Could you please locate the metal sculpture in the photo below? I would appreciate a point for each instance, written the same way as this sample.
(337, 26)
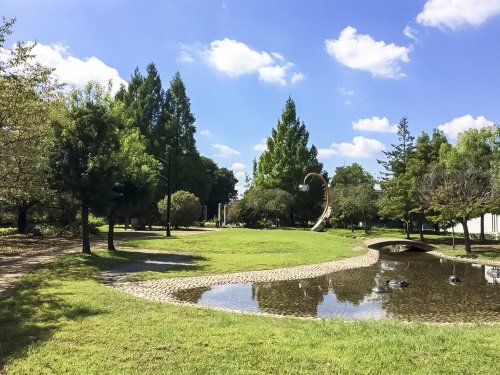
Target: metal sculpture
(320, 224)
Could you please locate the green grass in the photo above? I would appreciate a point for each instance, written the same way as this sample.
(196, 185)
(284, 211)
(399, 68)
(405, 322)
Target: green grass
(484, 252)
(61, 319)
(7, 231)
(231, 250)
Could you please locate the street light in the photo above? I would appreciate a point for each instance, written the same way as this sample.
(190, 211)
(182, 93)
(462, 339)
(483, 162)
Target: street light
(326, 212)
(169, 188)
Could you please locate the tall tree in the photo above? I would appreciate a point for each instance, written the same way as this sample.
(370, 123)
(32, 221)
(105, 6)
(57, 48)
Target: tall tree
(401, 152)
(27, 93)
(426, 154)
(288, 159)
(144, 98)
(462, 185)
(83, 142)
(135, 176)
(398, 194)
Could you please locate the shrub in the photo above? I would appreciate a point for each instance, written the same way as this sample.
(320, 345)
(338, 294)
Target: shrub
(186, 209)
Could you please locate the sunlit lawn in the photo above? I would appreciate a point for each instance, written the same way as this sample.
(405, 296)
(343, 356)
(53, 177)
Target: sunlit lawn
(62, 319)
(231, 250)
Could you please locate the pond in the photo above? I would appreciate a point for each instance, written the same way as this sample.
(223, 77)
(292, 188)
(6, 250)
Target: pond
(429, 295)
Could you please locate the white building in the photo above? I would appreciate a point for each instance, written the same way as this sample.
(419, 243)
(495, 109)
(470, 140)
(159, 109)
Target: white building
(491, 225)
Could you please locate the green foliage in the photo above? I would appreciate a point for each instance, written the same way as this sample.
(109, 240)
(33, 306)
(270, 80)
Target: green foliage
(401, 152)
(85, 137)
(462, 185)
(353, 195)
(167, 126)
(259, 206)
(27, 96)
(398, 194)
(287, 160)
(186, 209)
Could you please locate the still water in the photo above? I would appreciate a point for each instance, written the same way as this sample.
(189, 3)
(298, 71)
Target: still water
(348, 294)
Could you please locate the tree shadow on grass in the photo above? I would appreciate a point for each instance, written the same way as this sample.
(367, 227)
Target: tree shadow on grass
(483, 252)
(29, 315)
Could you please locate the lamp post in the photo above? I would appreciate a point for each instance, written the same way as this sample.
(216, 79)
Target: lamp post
(305, 187)
(169, 189)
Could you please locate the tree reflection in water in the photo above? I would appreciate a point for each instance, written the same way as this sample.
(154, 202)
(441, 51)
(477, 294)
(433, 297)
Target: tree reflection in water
(429, 296)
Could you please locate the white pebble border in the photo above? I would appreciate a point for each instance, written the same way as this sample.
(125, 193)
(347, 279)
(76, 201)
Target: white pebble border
(164, 290)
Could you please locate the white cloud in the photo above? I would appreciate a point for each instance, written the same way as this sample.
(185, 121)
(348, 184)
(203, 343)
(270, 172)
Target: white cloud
(261, 147)
(327, 153)
(297, 77)
(185, 57)
(374, 124)
(456, 126)
(235, 58)
(240, 176)
(362, 52)
(278, 56)
(274, 74)
(456, 13)
(360, 147)
(238, 167)
(205, 132)
(73, 70)
(224, 151)
(410, 32)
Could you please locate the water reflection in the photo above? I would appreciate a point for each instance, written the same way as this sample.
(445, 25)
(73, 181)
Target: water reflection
(348, 294)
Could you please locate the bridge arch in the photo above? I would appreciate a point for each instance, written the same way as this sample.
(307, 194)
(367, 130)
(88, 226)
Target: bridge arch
(379, 243)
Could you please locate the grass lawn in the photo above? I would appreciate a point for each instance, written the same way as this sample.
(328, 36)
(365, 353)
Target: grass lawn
(62, 319)
(231, 250)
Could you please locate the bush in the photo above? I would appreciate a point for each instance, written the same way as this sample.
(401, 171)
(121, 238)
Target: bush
(186, 209)
(234, 213)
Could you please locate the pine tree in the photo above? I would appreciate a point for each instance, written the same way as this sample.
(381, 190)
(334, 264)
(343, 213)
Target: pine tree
(398, 188)
(398, 157)
(288, 159)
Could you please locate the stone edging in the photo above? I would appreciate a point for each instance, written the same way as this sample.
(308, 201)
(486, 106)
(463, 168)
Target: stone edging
(465, 260)
(163, 290)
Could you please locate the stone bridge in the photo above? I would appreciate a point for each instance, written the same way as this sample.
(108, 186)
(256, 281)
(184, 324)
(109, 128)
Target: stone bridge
(379, 243)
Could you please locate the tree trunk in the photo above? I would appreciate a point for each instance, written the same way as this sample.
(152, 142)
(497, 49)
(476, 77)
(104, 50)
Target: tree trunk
(22, 218)
(111, 232)
(453, 236)
(85, 228)
(352, 227)
(407, 227)
(481, 233)
(421, 226)
(466, 236)
(436, 228)
(127, 220)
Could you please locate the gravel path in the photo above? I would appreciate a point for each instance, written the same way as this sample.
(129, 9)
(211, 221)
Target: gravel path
(164, 289)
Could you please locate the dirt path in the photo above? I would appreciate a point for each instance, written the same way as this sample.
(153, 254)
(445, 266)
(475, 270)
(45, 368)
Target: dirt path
(20, 255)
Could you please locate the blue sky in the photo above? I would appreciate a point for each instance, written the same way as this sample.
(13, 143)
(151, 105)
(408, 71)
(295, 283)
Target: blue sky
(354, 68)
